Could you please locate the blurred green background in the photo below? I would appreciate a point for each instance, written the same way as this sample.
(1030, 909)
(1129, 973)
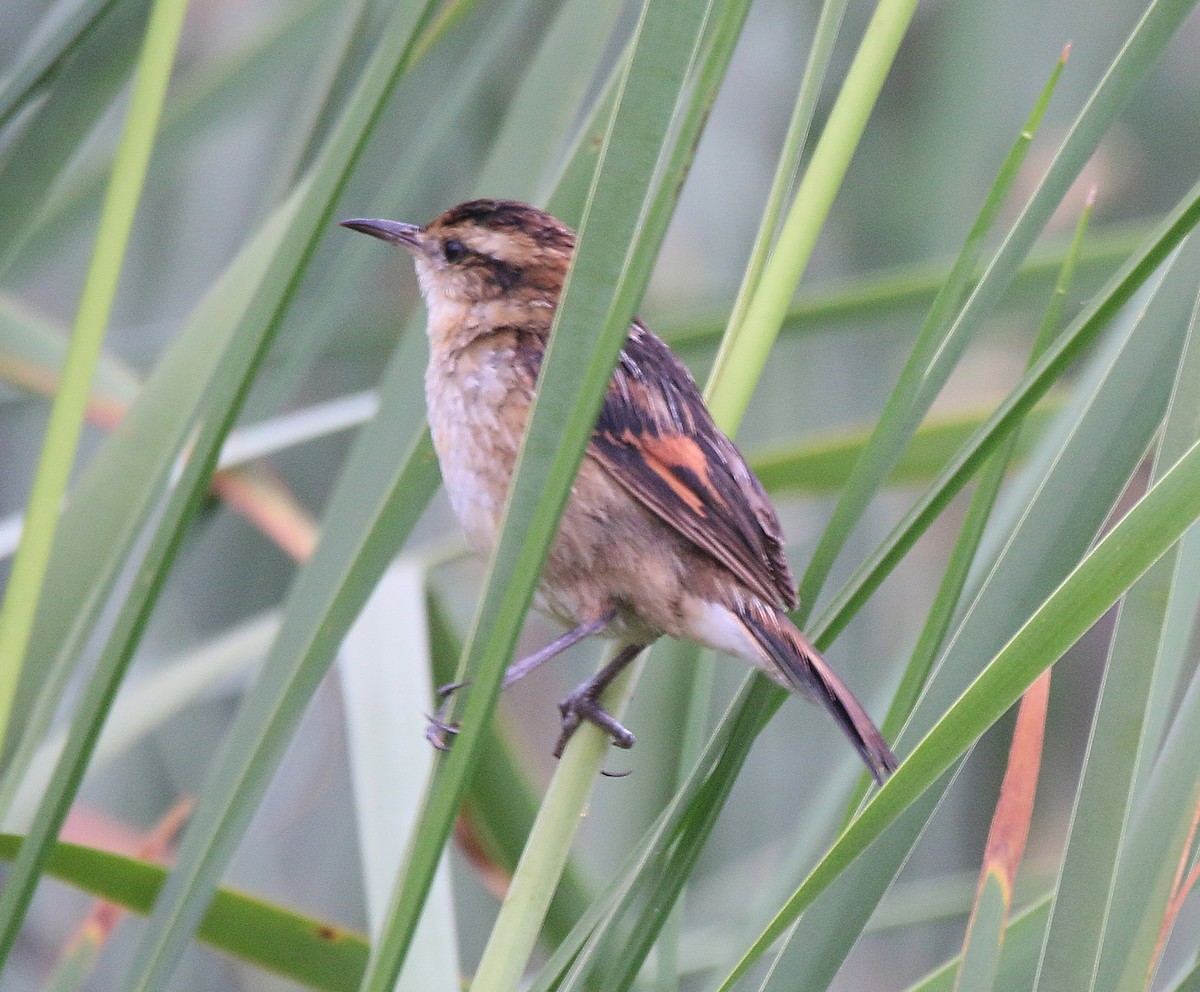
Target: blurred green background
(255, 83)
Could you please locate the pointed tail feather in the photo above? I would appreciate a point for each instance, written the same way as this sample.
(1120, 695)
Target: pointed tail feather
(806, 671)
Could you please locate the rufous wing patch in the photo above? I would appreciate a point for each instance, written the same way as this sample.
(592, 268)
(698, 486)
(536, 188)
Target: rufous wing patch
(658, 441)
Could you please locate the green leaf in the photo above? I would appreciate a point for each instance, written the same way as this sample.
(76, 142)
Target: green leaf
(32, 350)
(315, 953)
(63, 30)
(618, 239)
(1104, 802)
(84, 88)
(1064, 513)
(116, 494)
(1018, 955)
(821, 464)
(851, 302)
(939, 346)
(26, 583)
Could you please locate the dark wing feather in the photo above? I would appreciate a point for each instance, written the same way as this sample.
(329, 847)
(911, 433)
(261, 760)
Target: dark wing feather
(657, 439)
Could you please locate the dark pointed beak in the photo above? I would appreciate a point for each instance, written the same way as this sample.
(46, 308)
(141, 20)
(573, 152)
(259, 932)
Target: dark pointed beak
(392, 231)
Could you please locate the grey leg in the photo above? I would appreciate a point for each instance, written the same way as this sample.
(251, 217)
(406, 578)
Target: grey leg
(438, 727)
(584, 703)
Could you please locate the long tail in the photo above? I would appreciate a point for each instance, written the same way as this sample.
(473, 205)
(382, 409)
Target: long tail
(803, 669)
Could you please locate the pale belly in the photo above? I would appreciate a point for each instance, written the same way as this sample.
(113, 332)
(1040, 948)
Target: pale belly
(478, 408)
(477, 412)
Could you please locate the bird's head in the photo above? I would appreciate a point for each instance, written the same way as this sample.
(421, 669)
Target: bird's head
(483, 250)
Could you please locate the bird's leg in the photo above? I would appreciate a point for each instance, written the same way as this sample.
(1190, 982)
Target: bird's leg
(519, 669)
(584, 703)
(438, 727)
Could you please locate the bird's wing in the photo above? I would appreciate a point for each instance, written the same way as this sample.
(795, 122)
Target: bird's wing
(658, 440)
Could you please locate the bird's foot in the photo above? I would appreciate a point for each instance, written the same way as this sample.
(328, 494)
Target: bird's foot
(584, 704)
(440, 732)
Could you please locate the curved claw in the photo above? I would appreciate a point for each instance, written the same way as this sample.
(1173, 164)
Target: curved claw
(450, 688)
(437, 730)
(583, 705)
(439, 727)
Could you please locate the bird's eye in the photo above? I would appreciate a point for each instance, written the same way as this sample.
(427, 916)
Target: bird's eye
(454, 250)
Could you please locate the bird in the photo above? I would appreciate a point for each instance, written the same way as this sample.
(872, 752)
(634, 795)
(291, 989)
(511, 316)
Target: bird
(666, 530)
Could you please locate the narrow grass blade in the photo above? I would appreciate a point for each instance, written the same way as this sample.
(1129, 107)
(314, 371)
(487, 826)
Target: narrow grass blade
(32, 351)
(1075, 939)
(1118, 560)
(363, 530)
(948, 597)
(590, 326)
(226, 392)
(1132, 909)
(1055, 528)
(66, 415)
(1151, 35)
(27, 581)
(1018, 954)
(49, 137)
(148, 703)
(821, 463)
(313, 952)
(62, 31)
(934, 355)
(385, 732)
(1159, 839)
(815, 69)
(314, 329)
(1073, 341)
(79, 957)
(716, 44)
(886, 292)
(700, 798)
(1005, 845)
(117, 493)
(503, 801)
(746, 346)
(548, 100)
(195, 104)
(1158, 834)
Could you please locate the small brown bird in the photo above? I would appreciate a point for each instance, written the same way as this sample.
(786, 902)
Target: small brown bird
(666, 531)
